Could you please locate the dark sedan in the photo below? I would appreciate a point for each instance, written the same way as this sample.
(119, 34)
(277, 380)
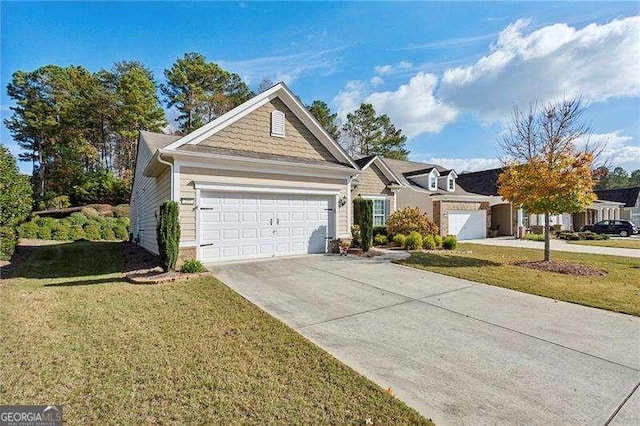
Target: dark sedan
(624, 228)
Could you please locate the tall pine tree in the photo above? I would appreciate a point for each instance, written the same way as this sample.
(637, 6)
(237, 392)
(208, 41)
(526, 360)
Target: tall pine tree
(366, 133)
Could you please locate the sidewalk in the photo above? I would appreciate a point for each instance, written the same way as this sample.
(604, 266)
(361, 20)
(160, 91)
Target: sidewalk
(556, 245)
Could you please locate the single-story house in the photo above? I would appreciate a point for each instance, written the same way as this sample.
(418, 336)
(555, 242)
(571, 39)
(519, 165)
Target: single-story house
(395, 184)
(486, 182)
(629, 197)
(262, 180)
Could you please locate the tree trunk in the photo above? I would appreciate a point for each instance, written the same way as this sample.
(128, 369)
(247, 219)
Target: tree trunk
(547, 238)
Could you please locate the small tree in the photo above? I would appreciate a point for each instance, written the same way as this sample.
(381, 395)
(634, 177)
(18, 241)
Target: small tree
(546, 173)
(410, 219)
(363, 217)
(168, 234)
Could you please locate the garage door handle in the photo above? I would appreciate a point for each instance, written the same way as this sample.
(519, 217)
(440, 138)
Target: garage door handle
(271, 221)
(278, 221)
(205, 245)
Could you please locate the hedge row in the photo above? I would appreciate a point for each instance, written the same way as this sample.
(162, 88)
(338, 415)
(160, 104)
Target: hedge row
(77, 226)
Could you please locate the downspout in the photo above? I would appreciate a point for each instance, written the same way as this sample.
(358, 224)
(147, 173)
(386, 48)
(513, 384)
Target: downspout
(171, 173)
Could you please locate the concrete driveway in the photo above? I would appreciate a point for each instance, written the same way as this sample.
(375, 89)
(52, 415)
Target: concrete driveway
(557, 245)
(458, 351)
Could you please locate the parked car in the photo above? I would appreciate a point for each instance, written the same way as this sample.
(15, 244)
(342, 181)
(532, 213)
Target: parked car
(624, 228)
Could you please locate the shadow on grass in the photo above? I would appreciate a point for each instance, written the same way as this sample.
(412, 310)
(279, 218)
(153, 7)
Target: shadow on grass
(69, 260)
(87, 282)
(447, 261)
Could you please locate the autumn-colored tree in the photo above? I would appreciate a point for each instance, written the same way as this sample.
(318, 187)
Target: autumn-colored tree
(546, 172)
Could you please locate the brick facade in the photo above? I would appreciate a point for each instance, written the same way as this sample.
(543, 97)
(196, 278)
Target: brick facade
(440, 209)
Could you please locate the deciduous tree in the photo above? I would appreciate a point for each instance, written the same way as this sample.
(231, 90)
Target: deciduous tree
(545, 172)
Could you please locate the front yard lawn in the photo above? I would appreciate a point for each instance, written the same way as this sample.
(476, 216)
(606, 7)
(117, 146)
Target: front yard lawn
(73, 333)
(632, 243)
(618, 291)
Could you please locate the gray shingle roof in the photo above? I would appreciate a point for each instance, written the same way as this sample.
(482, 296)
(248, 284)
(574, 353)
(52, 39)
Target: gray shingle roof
(157, 141)
(404, 169)
(628, 196)
(484, 182)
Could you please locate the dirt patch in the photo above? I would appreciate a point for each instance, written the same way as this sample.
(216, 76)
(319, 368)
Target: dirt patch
(562, 268)
(143, 267)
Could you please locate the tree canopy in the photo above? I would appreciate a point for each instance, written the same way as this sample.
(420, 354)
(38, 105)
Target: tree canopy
(321, 111)
(366, 133)
(15, 192)
(617, 178)
(201, 91)
(545, 171)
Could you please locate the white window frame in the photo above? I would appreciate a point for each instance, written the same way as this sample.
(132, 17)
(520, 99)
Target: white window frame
(451, 184)
(278, 118)
(433, 182)
(384, 207)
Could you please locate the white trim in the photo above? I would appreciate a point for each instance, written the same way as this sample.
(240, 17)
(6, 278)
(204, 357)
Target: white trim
(349, 202)
(335, 201)
(383, 198)
(424, 174)
(264, 189)
(198, 222)
(281, 91)
(461, 198)
(176, 180)
(259, 165)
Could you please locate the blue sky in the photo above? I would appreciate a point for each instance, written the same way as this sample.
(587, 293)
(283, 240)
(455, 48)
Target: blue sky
(447, 73)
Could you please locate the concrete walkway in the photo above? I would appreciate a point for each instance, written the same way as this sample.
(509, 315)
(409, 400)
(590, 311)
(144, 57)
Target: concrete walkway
(556, 245)
(458, 351)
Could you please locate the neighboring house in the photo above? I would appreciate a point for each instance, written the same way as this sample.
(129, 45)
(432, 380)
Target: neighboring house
(630, 199)
(264, 179)
(395, 184)
(486, 182)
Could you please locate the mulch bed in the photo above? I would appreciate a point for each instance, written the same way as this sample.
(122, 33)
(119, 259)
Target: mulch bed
(142, 267)
(562, 268)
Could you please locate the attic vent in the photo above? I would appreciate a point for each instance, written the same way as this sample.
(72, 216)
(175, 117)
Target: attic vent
(277, 124)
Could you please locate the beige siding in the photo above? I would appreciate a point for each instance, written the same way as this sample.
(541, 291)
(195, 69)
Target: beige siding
(372, 182)
(409, 198)
(253, 133)
(147, 195)
(190, 175)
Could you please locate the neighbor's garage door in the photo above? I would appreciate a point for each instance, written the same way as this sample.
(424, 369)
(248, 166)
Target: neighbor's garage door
(468, 224)
(246, 226)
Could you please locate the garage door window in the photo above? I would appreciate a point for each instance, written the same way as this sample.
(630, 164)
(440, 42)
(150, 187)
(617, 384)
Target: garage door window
(379, 217)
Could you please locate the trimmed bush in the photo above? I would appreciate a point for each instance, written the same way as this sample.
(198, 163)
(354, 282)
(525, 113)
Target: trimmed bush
(355, 236)
(409, 219)
(76, 232)
(77, 218)
(123, 221)
(380, 240)
(28, 230)
(121, 211)
(90, 213)
(450, 242)
(438, 240)
(380, 230)
(58, 202)
(92, 231)
(59, 232)
(534, 237)
(428, 242)
(44, 232)
(106, 232)
(7, 243)
(192, 266)
(414, 241)
(363, 216)
(120, 232)
(400, 240)
(168, 235)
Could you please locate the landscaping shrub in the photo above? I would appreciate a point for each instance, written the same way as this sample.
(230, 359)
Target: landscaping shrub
(16, 195)
(355, 236)
(123, 221)
(428, 242)
(78, 218)
(76, 232)
(414, 241)
(380, 240)
(192, 266)
(409, 219)
(534, 237)
(438, 240)
(106, 232)
(363, 215)
(28, 230)
(90, 213)
(121, 232)
(168, 235)
(571, 236)
(58, 202)
(121, 211)
(450, 242)
(59, 232)
(44, 232)
(380, 230)
(92, 231)
(588, 235)
(400, 240)
(7, 242)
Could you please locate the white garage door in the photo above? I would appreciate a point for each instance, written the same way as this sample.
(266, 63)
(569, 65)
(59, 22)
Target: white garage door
(246, 226)
(468, 224)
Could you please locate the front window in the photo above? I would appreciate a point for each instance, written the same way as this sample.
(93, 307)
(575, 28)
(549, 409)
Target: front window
(379, 218)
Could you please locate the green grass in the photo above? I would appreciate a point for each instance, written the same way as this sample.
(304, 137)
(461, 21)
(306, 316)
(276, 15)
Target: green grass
(627, 243)
(618, 291)
(72, 333)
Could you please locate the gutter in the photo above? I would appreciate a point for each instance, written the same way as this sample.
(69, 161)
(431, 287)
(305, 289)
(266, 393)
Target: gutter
(160, 160)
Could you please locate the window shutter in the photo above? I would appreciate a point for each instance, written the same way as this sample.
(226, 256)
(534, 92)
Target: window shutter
(277, 124)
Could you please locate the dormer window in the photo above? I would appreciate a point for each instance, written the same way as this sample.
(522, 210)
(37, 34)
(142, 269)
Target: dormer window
(277, 124)
(451, 184)
(433, 182)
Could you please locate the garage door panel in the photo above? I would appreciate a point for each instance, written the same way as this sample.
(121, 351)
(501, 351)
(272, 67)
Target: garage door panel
(467, 224)
(237, 226)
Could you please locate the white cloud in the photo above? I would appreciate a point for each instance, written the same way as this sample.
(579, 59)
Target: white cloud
(383, 69)
(376, 81)
(349, 98)
(405, 65)
(598, 62)
(413, 107)
(617, 150)
(466, 164)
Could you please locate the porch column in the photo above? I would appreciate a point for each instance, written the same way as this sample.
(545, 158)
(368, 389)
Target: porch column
(598, 215)
(616, 213)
